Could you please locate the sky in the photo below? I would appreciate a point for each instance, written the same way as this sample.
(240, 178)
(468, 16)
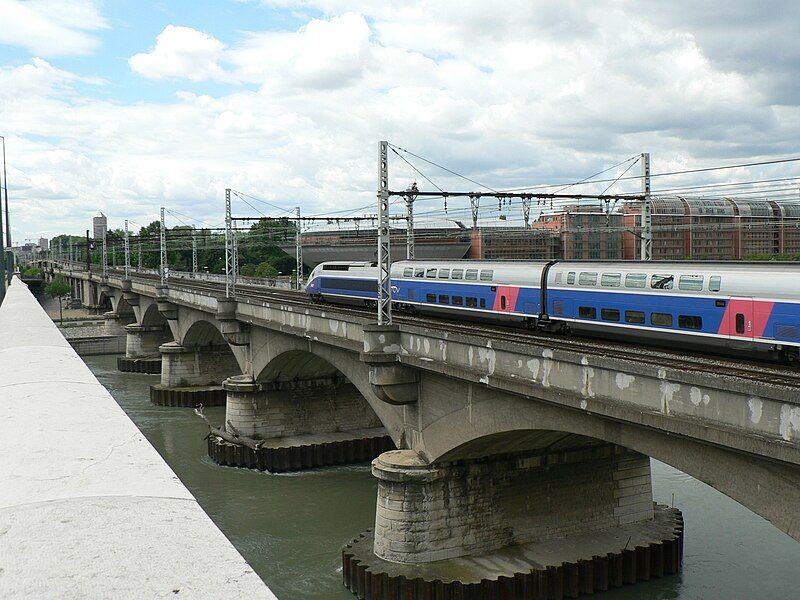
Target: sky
(124, 107)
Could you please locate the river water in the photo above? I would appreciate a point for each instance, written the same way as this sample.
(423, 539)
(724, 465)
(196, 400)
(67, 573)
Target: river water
(291, 528)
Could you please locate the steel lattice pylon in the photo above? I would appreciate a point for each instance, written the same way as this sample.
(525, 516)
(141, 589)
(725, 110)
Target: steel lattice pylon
(230, 249)
(384, 244)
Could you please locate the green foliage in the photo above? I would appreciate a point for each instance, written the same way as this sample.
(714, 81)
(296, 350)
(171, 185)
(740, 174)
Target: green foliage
(247, 270)
(265, 269)
(57, 288)
(32, 272)
(770, 257)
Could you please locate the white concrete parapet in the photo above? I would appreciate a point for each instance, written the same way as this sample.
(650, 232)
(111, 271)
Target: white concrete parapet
(88, 508)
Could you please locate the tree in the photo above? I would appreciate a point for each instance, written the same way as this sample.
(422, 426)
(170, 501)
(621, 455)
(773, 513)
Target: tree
(58, 288)
(265, 269)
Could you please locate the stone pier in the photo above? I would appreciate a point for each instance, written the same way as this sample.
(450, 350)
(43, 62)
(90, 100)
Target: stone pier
(300, 424)
(115, 323)
(560, 519)
(193, 375)
(142, 348)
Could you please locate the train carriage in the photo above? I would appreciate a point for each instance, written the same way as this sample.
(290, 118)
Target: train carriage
(743, 307)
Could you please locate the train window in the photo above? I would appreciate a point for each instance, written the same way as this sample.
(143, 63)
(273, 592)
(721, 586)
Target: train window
(444, 273)
(739, 323)
(609, 314)
(611, 279)
(558, 277)
(690, 322)
(587, 312)
(430, 273)
(472, 302)
(662, 282)
(457, 274)
(419, 272)
(661, 319)
(458, 300)
(409, 272)
(356, 285)
(483, 302)
(335, 267)
(693, 283)
(635, 280)
(471, 275)
(634, 316)
(486, 275)
(502, 302)
(587, 278)
(571, 278)
(714, 283)
(444, 299)
(430, 297)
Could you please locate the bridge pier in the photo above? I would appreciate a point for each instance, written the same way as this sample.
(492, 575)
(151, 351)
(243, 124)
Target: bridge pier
(573, 520)
(193, 375)
(115, 323)
(299, 424)
(142, 349)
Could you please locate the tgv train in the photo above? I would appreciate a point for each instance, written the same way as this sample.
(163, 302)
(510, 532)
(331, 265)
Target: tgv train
(742, 307)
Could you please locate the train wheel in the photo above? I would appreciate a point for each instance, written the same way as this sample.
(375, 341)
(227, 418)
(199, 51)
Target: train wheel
(793, 356)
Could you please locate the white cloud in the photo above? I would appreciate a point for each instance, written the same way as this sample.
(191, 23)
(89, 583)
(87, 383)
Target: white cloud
(527, 94)
(181, 52)
(51, 28)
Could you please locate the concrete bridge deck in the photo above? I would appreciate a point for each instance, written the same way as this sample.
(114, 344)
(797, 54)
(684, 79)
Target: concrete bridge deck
(88, 508)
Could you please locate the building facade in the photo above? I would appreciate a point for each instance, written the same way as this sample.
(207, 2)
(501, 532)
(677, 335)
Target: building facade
(99, 226)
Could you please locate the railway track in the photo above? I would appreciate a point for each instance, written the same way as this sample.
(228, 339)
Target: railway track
(760, 371)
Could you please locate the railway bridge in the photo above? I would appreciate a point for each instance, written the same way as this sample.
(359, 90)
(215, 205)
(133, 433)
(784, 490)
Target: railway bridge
(503, 437)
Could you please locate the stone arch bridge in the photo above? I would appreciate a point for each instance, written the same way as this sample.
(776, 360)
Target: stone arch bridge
(503, 438)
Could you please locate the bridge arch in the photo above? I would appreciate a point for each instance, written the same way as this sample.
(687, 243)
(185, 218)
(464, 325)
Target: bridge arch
(281, 360)
(152, 318)
(483, 422)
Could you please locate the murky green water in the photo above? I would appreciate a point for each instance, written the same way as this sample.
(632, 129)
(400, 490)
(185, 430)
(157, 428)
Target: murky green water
(290, 528)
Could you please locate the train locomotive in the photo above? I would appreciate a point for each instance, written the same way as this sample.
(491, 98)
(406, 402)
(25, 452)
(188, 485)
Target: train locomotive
(740, 308)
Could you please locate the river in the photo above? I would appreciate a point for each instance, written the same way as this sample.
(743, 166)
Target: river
(291, 528)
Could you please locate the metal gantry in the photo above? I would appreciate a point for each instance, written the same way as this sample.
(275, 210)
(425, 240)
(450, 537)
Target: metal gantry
(298, 247)
(474, 205)
(384, 239)
(647, 210)
(410, 197)
(230, 249)
(163, 243)
(194, 252)
(526, 211)
(127, 252)
(105, 256)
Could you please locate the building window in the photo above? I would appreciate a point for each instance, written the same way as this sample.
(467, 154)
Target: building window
(430, 297)
(458, 300)
(690, 322)
(609, 314)
(472, 302)
(571, 278)
(662, 282)
(714, 283)
(661, 319)
(472, 275)
(587, 278)
(635, 317)
(692, 283)
(444, 273)
(486, 275)
(587, 312)
(444, 299)
(635, 280)
(457, 274)
(611, 279)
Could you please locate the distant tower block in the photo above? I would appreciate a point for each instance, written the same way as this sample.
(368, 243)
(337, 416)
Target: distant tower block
(99, 226)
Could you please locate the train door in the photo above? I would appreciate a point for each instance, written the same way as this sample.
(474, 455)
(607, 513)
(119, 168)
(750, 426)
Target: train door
(740, 318)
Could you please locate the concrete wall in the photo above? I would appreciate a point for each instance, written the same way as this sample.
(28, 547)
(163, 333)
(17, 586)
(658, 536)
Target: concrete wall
(88, 508)
(428, 513)
(300, 407)
(197, 366)
(92, 346)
